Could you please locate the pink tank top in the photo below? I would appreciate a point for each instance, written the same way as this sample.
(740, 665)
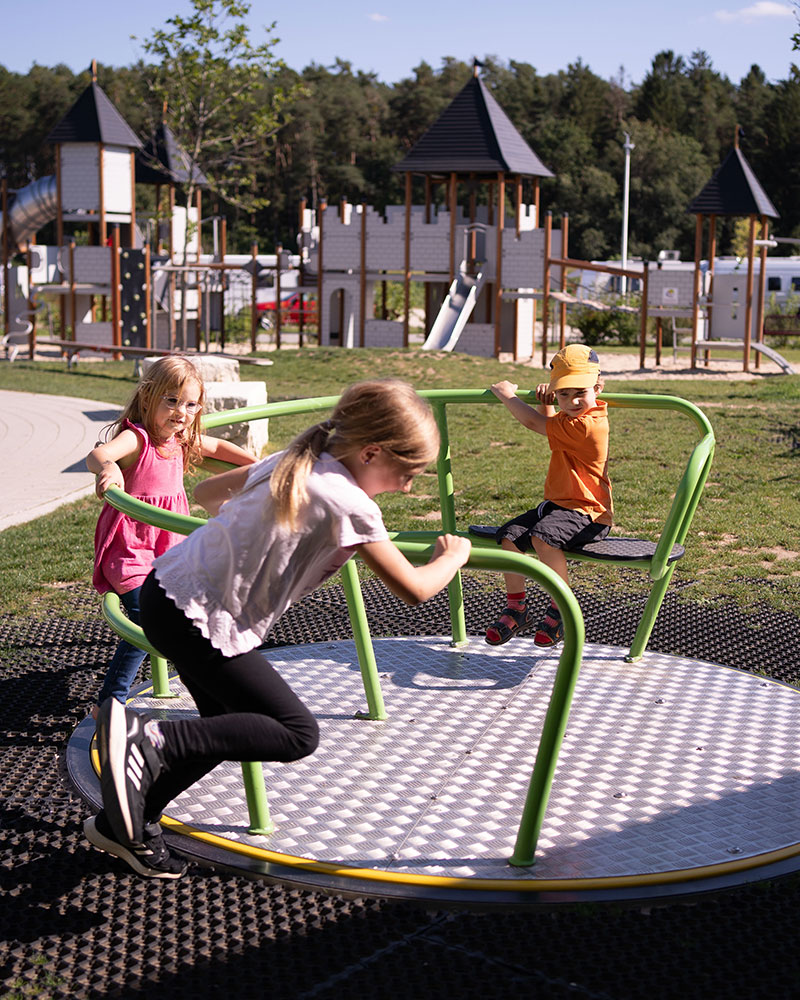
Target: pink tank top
(124, 548)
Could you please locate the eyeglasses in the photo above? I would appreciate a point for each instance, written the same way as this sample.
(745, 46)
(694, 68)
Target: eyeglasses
(174, 403)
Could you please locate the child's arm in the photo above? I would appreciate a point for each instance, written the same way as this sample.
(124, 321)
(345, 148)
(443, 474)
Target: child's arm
(108, 460)
(526, 415)
(225, 451)
(414, 584)
(213, 492)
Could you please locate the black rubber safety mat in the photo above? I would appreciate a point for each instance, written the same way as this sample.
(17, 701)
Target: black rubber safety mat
(75, 923)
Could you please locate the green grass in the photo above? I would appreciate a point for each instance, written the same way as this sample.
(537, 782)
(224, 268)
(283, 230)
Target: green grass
(746, 528)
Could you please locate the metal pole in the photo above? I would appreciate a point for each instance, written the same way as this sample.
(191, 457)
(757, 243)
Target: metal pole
(625, 200)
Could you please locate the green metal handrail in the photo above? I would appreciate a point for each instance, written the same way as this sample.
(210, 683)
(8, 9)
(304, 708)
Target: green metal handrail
(555, 721)
(417, 547)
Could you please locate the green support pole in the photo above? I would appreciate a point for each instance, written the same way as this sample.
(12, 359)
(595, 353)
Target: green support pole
(555, 724)
(455, 590)
(256, 794)
(363, 640)
(160, 677)
(132, 633)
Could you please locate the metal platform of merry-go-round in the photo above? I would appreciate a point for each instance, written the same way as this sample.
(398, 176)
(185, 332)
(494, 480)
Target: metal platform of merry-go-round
(676, 775)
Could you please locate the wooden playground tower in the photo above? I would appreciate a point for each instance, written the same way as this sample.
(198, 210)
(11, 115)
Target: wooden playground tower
(471, 161)
(734, 190)
(104, 286)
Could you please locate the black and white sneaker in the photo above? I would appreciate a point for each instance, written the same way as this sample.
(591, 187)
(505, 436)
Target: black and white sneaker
(152, 858)
(129, 764)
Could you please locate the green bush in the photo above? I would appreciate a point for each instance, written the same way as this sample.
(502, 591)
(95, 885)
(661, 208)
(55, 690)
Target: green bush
(601, 326)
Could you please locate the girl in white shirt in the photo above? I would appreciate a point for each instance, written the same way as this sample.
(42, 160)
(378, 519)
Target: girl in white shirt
(281, 527)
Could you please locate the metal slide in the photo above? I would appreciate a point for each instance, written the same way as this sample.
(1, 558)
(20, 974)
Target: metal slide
(455, 311)
(738, 345)
(32, 207)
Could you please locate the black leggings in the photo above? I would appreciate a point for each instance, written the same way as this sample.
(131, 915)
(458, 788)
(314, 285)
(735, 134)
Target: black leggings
(248, 712)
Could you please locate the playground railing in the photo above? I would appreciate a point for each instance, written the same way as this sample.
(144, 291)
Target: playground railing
(418, 546)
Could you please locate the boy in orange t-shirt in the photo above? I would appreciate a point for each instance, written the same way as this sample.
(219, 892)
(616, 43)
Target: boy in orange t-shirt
(577, 493)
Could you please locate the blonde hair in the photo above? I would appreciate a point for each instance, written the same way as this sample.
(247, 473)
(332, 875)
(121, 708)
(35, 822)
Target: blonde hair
(165, 377)
(383, 412)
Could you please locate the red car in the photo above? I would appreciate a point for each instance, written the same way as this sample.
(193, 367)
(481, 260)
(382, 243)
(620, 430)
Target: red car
(290, 310)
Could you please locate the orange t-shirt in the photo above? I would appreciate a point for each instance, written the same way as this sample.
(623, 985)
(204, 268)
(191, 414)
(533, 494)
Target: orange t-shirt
(578, 474)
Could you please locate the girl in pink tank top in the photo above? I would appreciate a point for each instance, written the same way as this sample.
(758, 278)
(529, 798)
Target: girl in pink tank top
(155, 440)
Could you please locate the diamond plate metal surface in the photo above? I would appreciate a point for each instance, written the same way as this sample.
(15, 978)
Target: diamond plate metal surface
(667, 764)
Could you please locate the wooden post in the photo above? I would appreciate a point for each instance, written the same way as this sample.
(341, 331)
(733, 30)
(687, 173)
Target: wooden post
(6, 283)
(102, 187)
(60, 235)
(548, 232)
(659, 338)
(643, 323)
(762, 286)
(132, 240)
(199, 322)
(223, 244)
(159, 248)
(498, 288)
(452, 195)
(698, 249)
(320, 222)
(712, 253)
(407, 262)
(536, 224)
(31, 302)
(488, 293)
(116, 297)
(748, 305)
(171, 274)
(253, 287)
(72, 304)
(562, 306)
(362, 288)
(148, 334)
(171, 206)
(278, 302)
(302, 277)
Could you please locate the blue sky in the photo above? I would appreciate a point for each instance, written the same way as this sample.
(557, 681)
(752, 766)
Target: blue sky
(390, 39)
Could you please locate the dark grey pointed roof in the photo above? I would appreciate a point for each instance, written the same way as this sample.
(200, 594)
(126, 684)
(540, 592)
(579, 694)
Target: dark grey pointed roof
(473, 135)
(163, 161)
(733, 190)
(93, 118)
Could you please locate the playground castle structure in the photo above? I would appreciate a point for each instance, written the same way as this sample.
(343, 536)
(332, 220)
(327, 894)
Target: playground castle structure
(495, 273)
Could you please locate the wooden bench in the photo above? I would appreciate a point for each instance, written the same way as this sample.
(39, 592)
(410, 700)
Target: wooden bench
(73, 348)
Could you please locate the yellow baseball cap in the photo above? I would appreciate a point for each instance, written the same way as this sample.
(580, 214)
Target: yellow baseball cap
(576, 366)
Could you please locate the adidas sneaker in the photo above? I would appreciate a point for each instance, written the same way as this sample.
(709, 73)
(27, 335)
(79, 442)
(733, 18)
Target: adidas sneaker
(152, 858)
(129, 764)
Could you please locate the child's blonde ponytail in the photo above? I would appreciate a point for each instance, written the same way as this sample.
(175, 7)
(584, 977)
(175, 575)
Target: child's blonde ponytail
(384, 412)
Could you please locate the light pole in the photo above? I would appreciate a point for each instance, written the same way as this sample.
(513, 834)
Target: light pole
(625, 197)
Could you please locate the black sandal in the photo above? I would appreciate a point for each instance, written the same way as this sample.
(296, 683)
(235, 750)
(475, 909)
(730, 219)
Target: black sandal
(550, 629)
(522, 623)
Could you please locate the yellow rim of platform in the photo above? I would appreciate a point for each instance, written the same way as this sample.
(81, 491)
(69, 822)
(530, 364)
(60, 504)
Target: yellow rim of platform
(519, 884)
(489, 884)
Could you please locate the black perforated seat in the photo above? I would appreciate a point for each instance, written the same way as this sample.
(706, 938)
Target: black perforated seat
(610, 549)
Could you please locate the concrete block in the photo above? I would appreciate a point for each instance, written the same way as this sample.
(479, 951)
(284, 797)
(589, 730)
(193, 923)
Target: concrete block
(252, 435)
(210, 368)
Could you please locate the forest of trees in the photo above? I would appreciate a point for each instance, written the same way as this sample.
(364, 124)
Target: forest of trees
(341, 131)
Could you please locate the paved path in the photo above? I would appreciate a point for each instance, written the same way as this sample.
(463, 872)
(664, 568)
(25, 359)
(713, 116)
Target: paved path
(44, 441)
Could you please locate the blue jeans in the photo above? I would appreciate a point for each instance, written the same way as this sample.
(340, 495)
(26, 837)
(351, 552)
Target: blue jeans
(126, 660)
